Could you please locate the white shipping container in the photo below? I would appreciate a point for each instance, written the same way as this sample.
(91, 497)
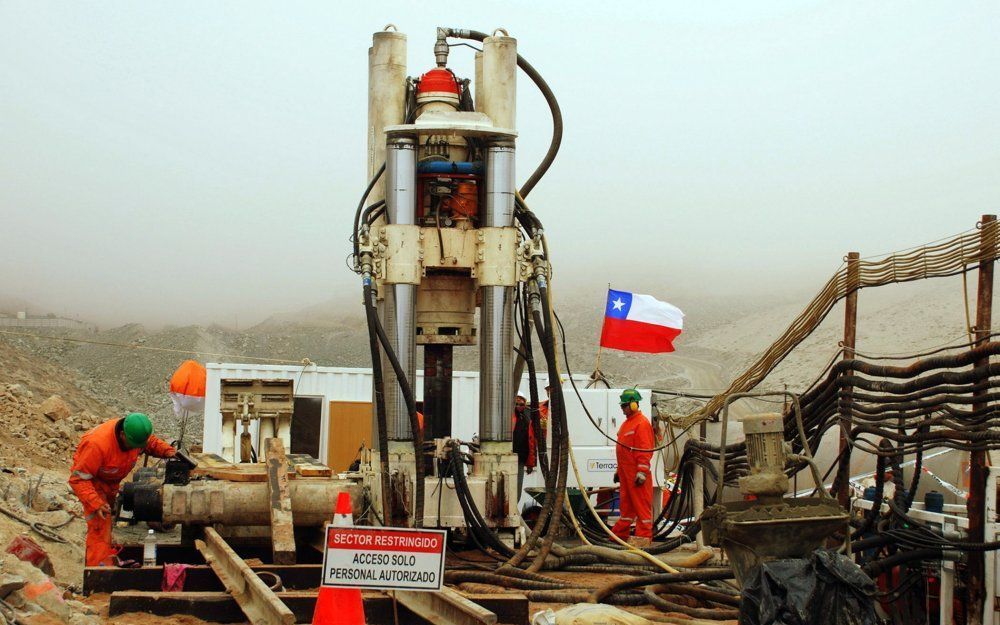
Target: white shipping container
(595, 455)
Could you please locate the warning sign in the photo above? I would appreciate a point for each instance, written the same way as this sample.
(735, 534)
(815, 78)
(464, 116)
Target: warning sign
(385, 559)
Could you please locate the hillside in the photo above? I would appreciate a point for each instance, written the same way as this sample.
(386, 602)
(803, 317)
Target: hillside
(722, 336)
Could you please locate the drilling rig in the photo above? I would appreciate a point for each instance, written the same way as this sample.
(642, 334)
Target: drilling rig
(436, 239)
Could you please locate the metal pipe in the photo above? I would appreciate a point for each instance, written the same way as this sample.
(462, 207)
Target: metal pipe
(386, 98)
(400, 299)
(496, 320)
(499, 97)
(205, 502)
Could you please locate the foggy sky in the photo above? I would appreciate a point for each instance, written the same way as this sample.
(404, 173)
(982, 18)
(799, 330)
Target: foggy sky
(192, 162)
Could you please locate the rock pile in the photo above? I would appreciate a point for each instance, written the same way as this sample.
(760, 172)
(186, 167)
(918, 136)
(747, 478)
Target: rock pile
(46, 432)
(25, 591)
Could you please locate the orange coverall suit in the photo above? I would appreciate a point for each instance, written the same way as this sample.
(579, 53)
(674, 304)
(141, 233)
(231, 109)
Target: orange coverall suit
(532, 453)
(99, 465)
(636, 502)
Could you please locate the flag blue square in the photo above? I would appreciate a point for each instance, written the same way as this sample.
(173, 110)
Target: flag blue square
(618, 304)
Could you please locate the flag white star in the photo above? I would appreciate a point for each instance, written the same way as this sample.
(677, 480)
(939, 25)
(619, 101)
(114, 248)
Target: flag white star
(618, 304)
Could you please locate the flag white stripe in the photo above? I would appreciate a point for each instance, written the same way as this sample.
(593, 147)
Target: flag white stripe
(648, 309)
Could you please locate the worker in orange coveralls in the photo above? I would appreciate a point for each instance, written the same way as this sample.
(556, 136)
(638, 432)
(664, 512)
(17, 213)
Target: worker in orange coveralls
(636, 496)
(104, 457)
(523, 436)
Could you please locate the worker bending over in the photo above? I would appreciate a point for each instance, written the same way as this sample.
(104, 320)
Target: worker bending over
(104, 457)
(636, 498)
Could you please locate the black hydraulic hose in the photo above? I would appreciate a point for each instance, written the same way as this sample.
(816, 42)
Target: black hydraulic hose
(411, 407)
(361, 207)
(550, 99)
(373, 212)
(940, 541)
(529, 359)
(476, 523)
(899, 485)
(558, 408)
(378, 386)
(872, 542)
(580, 596)
(504, 581)
(695, 575)
(918, 468)
(877, 567)
(557, 468)
(699, 592)
(715, 614)
(872, 514)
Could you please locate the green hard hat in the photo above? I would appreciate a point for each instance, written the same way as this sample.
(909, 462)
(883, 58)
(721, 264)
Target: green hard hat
(630, 395)
(137, 428)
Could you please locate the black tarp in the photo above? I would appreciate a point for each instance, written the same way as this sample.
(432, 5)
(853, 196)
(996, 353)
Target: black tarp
(824, 589)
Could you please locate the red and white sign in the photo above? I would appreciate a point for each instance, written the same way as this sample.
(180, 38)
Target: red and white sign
(385, 559)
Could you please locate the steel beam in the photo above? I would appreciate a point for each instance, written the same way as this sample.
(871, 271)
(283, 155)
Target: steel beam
(280, 500)
(260, 605)
(445, 607)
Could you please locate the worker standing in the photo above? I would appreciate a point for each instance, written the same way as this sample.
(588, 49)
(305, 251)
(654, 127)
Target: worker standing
(636, 494)
(104, 457)
(524, 440)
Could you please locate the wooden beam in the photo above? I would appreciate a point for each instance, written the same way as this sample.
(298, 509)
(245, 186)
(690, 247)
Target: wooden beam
(198, 578)
(220, 607)
(258, 602)
(976, 503)
(445, 607)
(850, 342)
(282, 528)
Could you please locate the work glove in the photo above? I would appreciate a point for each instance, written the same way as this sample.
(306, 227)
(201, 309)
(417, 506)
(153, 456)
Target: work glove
(615, 478)
(640, 479)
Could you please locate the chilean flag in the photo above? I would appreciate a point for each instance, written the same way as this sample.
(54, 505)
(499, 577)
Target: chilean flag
(639, 323)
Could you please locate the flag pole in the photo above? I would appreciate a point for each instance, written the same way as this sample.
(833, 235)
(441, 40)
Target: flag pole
(597, 374)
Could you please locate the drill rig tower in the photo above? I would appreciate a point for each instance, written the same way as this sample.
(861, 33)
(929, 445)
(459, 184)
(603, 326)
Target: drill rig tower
(436, 239)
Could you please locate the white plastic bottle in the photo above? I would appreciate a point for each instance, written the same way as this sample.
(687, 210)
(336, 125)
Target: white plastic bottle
(149, 550)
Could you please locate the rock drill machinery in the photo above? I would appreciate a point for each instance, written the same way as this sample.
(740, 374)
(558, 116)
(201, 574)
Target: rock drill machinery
(436, 239)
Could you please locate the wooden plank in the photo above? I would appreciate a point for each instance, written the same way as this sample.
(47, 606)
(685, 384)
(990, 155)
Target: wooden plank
(307, 466)
(445, 607)
(220, 607)
(199, 578)
(282, 528)
(257, 601)
(234, 473)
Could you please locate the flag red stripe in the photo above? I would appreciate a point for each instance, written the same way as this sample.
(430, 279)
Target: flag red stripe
(637, 336)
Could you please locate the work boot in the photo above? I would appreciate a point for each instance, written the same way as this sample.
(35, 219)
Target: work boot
(637, 541)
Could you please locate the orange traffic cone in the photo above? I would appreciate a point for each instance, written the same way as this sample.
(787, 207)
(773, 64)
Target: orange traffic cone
(340, 606)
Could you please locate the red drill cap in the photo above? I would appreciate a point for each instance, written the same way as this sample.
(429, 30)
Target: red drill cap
(343, 503)
(438, 80)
